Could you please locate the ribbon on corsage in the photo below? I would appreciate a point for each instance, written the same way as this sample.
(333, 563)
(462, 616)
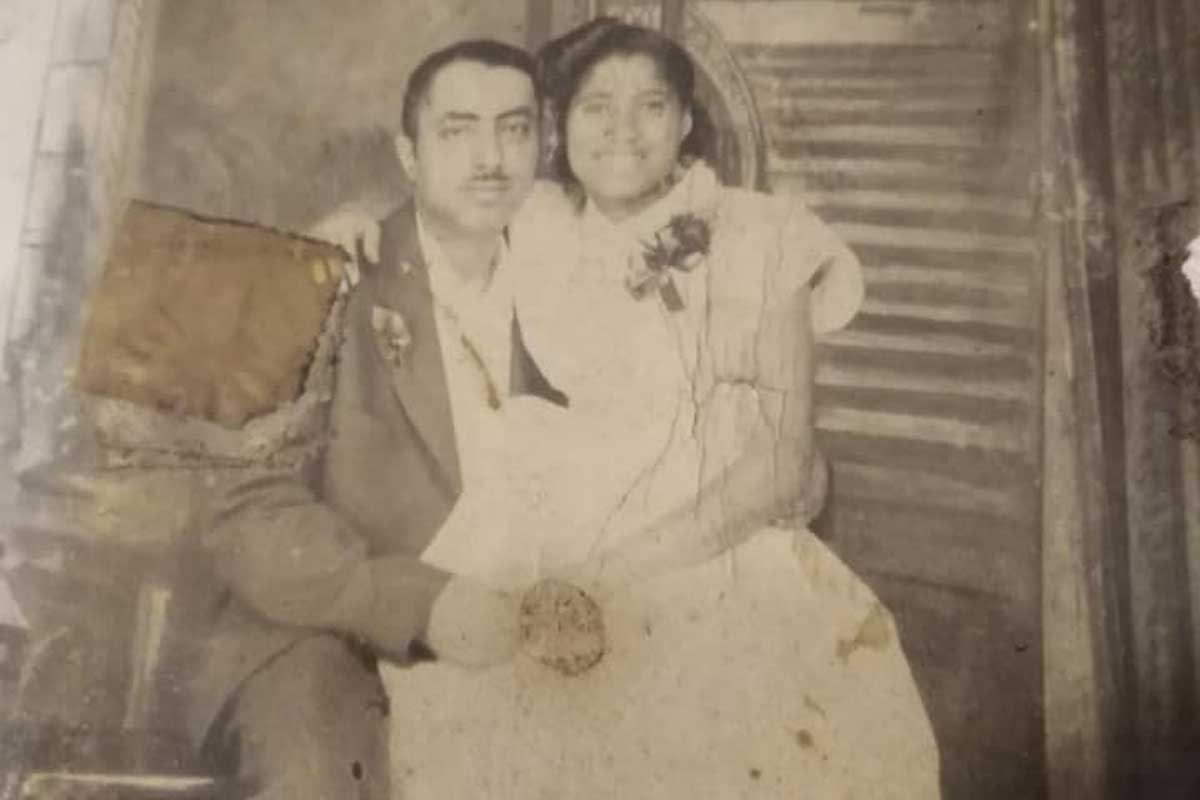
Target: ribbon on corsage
(679, 246)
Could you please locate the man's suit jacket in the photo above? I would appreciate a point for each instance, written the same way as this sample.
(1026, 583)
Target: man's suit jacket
(337, 549)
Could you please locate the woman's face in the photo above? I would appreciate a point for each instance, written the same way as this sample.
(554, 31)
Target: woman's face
(624, 128)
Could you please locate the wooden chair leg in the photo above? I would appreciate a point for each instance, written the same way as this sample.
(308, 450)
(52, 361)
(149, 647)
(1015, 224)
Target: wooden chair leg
(150, 626)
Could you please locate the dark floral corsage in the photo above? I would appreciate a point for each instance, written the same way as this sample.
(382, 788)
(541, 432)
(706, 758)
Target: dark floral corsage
(681, 245)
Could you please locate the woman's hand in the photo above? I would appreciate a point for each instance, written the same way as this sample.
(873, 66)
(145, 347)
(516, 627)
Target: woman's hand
(356, 231)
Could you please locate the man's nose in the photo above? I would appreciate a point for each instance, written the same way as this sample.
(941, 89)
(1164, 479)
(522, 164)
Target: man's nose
(486, 152)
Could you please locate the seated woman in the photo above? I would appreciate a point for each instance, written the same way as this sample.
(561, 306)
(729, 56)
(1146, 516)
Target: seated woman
(741, 657)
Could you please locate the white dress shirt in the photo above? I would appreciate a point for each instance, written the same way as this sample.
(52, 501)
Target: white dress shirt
(474, 325)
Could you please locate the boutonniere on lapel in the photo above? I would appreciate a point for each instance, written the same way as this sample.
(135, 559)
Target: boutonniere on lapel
(392, 335)
(681, 245)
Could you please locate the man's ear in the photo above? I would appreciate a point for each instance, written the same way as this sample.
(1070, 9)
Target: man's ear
(406, 151)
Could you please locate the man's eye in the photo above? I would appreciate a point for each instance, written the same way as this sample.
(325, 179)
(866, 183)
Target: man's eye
(519, 130)
(452, 133)
(594, 109)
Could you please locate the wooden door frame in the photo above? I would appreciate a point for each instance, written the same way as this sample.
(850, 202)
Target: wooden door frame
(1120, 153)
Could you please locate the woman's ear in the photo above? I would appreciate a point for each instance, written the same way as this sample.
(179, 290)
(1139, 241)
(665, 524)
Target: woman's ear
(686, 128)
(406, 151)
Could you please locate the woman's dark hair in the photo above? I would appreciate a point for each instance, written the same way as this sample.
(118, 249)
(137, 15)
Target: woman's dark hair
(565, 63)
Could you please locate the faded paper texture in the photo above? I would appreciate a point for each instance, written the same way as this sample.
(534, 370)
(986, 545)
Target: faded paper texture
(987, 586)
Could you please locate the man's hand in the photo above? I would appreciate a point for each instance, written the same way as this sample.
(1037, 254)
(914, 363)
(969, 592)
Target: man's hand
(474, 625)
(356, 231)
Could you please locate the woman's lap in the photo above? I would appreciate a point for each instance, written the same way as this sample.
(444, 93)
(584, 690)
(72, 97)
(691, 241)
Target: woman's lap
(766, 671)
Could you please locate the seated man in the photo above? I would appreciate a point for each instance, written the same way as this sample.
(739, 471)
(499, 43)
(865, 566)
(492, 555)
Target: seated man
(315, 572)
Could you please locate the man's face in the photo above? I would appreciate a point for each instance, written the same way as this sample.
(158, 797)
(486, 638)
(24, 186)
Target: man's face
(476, 151)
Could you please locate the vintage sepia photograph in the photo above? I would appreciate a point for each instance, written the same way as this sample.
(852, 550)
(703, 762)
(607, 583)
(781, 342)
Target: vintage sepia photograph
(527, 399)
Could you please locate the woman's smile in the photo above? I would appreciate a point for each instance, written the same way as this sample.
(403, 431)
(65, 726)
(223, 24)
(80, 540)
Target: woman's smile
(623, 133)
(624, 160)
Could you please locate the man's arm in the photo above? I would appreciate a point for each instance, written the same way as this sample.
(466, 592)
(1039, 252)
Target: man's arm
(296, 561)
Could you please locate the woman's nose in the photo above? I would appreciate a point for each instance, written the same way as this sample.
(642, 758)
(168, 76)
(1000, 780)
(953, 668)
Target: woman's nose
(622, 125)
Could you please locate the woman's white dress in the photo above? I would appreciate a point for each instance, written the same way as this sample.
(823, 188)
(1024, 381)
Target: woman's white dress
(769, 670)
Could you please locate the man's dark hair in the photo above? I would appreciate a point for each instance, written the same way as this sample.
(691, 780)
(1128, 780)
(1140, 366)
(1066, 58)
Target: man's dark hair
(488, 52)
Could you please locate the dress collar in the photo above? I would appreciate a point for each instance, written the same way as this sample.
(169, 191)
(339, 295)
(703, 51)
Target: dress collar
(696, 191)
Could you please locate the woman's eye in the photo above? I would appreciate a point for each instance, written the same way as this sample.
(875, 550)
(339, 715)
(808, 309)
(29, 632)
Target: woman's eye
(594, 109)
(655, 106)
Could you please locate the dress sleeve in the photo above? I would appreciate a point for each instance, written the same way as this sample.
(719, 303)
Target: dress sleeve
(810, 252)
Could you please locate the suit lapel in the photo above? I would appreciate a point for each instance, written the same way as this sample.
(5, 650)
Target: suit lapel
(525, 377)
(419, 377)
(401, 285)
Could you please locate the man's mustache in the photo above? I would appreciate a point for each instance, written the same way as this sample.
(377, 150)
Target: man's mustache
(490, 178)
